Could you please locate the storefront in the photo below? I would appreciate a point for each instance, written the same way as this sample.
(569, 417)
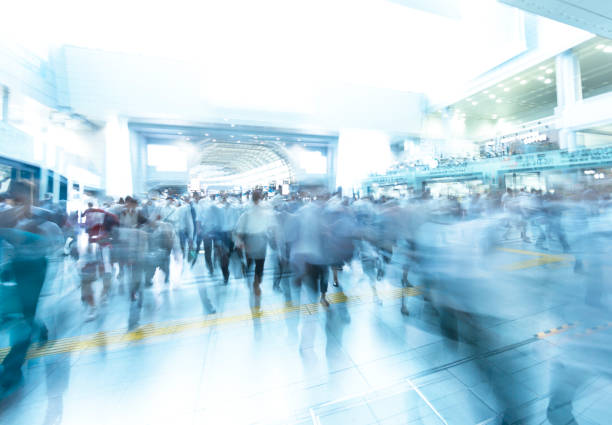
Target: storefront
(14, 170)
(525, 180)
(454, 187)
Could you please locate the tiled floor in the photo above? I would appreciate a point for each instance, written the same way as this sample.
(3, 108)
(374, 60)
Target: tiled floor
(358, 362)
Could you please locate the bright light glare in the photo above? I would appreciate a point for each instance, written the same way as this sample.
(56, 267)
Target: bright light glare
(312, 162)
(167, 158)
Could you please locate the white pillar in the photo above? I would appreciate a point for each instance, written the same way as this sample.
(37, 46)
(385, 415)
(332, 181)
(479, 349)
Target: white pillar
(569, 92)
(361, 152)
(118, 158)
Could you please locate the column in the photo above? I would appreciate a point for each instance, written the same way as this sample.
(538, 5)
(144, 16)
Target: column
(331, 168)
(361, 152)
(5, 103)
(569, 92)
(118, 158)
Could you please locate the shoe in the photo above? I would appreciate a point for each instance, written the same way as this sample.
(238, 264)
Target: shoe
(405, 311)
(91, 314)
(257, 290)
(44, 335)
(324, 302)
(336, 284)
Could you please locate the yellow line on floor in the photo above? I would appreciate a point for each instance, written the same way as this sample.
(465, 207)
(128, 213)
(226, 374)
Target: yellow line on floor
(541, 259)
(152, 330)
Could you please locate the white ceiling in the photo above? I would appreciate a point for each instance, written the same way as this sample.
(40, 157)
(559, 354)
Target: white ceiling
(591, 15)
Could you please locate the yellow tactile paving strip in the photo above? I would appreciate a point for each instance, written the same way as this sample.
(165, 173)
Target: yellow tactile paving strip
(118, 338)
(121, 337)
(539, 260)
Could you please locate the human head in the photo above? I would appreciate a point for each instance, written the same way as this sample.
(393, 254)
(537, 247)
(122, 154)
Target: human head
(256, 196)
(21, 192)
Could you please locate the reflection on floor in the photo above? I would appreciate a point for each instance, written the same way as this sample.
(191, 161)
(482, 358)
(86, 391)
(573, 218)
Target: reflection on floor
(358, 362)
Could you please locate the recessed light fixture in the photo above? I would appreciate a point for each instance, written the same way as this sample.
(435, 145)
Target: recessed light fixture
(214, 140)
(608, 49)
(238, 141)
(261, 143)
(232, 125)
(600, 46)
(278, 138)
(500, 85)
(299, 140)
(486, 91)
(187, 138)
(523, 82)
(494, 116)
(548, 81)
(540, 78)
(517, 78)
(507, 89)
(224, 119)
(180, 132)
(492, 96)
(549, 71)
(542, 68)
(499, 101)
(469, 100)
(206, 134)
(474, 103)
(232, 136)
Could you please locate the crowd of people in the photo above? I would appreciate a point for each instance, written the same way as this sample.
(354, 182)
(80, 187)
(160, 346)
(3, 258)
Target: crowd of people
(446, 246)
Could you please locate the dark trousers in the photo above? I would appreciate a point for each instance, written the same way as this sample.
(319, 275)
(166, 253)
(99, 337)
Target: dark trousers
(206, 240)
(318, 276)
(30, 276)
(224, 246)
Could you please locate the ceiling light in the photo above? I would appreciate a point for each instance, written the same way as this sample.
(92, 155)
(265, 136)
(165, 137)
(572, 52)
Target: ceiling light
(486, 91)
(206, 134)
(500, 85)
(180, 132)
(232, 136)
(261, 143)
(278, 138)
(517, 78)
(523, 82)
(507, 89)
(540, 78)
(549, 71)
(232, 125)
(542, 68)
(498, 101)
(494, 116)
(608, 49)
(600, 46)
(548, 81)
(224, 119)
(214, 140)
(187, 138)
(254, 137)
(238, 141)
(492, 96)
(474, 103)
(469, 100)
(299, 140)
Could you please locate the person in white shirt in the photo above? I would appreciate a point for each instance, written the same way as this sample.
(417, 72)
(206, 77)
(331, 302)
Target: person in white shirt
(224, 245)
(252, 232)
(206, 224)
